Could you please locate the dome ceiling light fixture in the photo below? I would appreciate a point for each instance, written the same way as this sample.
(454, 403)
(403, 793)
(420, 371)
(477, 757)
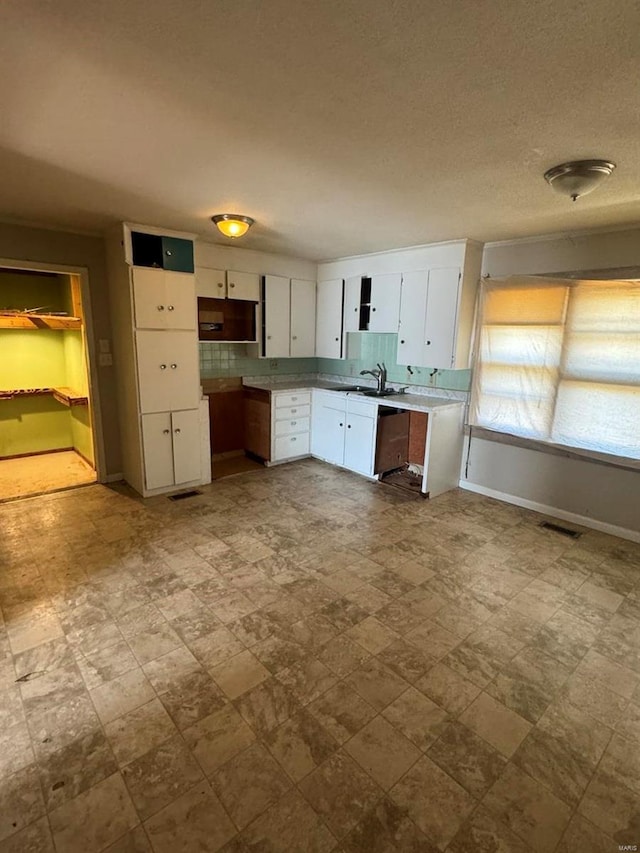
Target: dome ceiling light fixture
(232, 224)
(578, 177)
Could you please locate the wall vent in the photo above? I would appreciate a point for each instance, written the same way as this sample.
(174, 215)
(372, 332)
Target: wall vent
(558, 528)
(182, 495)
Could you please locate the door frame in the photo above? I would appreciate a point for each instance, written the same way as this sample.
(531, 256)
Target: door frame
(89, 349)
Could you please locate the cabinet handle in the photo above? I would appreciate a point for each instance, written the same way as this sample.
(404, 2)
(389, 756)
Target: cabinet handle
(163, 367)
(294, 438)
(177, 430)
(293, 423)
(160, 307)
(231, 284)
(166, 431)
(168, 252)
(173, 366)
(293, 411)
(294, 398)
(170, 308)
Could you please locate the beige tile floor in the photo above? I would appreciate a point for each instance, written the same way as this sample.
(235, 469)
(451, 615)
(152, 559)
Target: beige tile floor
(301, 660)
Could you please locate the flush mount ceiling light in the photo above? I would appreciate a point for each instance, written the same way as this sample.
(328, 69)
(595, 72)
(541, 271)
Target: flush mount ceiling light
(578, 177)
(232, 224)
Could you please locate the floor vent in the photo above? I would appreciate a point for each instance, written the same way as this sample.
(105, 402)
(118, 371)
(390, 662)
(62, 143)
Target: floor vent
(182, 495)
(558, 528)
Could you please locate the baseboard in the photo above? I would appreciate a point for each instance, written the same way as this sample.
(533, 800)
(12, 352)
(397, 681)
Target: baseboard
(38, 453)
(112, 478)
(582, 520)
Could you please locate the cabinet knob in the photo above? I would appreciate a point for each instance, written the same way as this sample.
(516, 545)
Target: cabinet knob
(166, 431)
(341, 424)
(268, 337)
(428, 343)
(170, 308)
(294, 398)
(373, 309)
(168, 252)
(294, 338)
(348, 426)
(293, 411)
(293, 423)
(177, 429)
(337, 339)
(294, 438)
(220, 284)
(356, 310)
(163, 367)
(173, 366)
(232, 284)
(401, 342)
(160, 307)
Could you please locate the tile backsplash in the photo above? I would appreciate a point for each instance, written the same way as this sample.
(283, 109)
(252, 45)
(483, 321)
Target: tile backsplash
(364, 350)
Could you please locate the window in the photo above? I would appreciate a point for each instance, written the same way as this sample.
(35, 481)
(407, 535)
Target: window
(559, 361)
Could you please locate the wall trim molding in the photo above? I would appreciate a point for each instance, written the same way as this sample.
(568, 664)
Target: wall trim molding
(582, 520)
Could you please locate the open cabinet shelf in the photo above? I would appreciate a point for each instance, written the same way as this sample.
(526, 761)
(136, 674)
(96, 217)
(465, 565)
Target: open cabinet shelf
(24, 320)
(62, 394)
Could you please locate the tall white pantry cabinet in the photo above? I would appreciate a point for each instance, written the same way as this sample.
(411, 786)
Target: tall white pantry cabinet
(154, 313)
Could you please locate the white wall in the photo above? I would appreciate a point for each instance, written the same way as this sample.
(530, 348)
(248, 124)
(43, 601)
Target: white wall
(575, 489)
(219, 257)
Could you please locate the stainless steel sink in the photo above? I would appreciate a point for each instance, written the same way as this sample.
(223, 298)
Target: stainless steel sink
(373, 392)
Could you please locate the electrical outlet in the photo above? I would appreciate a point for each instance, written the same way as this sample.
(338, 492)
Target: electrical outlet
(105, 359)
(273, 364)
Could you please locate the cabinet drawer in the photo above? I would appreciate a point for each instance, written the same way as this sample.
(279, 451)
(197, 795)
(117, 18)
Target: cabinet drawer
(331, 400)
(297, 398)
(288, 446)
(362, 407)
(293, 426)
(294, 412)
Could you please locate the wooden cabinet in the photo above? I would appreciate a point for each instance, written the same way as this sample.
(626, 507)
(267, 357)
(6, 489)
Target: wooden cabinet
(303, 318)
(372, 303)
(343, 430)
(171, 443)
(257, 422)
(226, 420)
(168, 370)
(429, 318)
(163, 299)
(329, 318)
(276, 306)
(227, 284)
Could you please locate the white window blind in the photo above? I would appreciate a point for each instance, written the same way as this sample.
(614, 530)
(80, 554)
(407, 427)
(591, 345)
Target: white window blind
(559, 361)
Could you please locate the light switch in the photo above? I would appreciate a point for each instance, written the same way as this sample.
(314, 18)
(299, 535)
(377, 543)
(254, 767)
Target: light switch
(104, 345)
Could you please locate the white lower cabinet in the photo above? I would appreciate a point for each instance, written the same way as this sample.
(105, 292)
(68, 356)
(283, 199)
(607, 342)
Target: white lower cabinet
(290, 425)
(171, 445)
(343, 431)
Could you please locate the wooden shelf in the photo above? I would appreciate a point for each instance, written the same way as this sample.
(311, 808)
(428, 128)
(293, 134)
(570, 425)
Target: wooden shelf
(62, 395)
(38, 321)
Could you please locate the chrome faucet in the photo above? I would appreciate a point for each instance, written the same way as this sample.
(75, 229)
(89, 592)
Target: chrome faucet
(380, 375)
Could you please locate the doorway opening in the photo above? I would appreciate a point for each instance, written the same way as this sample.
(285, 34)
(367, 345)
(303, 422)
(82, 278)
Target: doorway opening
(47, 439)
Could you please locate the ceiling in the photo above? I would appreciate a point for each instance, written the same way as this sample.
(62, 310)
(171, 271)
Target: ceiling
(341, 126)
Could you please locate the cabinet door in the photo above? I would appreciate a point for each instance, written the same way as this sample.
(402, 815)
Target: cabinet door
(157, 450)
(413, 309)
(183, 369)
(327, 433)
(177, 254)
(186, 445)
(385, 303)
(154, 373)
(329, 319)
(277, 316)
(303, 318)
(211, 283)
(181, 300)
(243, 285)
(352, 291)
(358, 443)
(149, 298)
(440, 323)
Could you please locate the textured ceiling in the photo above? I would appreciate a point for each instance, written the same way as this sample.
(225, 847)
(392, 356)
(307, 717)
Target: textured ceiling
(342, 126)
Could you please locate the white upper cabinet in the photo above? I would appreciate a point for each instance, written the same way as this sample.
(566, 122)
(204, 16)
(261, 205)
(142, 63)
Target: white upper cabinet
(167, 371)
(303, 318)
(429, 318)
(227, 284)
(243, 285)
(329, 318)
(163, 299)
(211, 283)
(385, 302)
(372, 303)
(277, 316)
